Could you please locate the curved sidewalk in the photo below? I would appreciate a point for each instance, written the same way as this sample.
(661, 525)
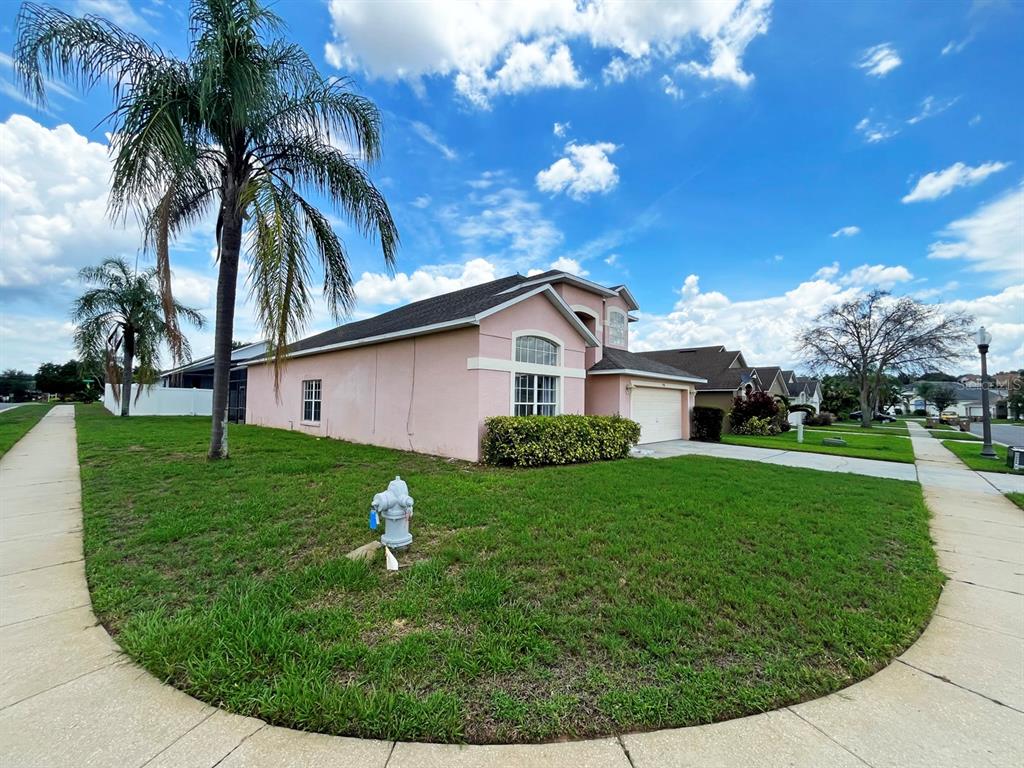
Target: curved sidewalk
(69, 698)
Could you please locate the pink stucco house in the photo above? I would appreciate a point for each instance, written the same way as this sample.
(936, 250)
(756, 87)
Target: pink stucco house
(424, 377)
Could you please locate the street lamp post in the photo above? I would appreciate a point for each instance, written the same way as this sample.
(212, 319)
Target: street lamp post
(984, 339)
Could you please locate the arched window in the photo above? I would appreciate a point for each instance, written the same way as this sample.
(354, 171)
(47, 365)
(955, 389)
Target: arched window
(535, 394)
(534, 349)
(616, 327)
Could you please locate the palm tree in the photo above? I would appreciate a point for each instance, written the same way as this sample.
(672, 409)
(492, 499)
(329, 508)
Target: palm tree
(245, 125)
(124, 313)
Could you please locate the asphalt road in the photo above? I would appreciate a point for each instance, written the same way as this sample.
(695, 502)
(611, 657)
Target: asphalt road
(1009, 434)
(8, 406)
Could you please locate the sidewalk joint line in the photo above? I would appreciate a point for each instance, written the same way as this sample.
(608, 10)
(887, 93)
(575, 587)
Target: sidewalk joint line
(390, 753)
(43, 567)
(625, 751)
(179, 738)
(239, 744)
(46, 615)
(66, 682)
(829, 736)
(986, 586)
(955, 684)
(977, 626)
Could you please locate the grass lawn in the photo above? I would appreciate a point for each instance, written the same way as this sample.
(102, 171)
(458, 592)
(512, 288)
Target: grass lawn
(1016, 498)
(970, 454)
(892, 428)
(16, 422)
(952, 434)
(866, 445)
(534, 604)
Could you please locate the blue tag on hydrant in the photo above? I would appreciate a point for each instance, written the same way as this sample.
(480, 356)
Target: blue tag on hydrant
(373, 520)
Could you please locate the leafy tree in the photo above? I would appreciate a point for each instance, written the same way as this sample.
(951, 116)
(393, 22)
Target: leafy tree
(15, 384)
(245, 125)
(936, 376)
(926, 391)
(1015, 398)
(124, 314)
(943, 397)
(62, 380)
(838, 395)
(877, 335)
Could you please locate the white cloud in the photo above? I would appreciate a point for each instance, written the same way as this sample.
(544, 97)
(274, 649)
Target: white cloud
(506, 221)
(374, 289)
(879, 60)
(428, 135)
(670, 88)
(585, 170)
(974, 121)
(620, 69)
(491, 47)
(991, 239)
(559, 129)
(572, 266)
(956, 47)
(612, 259)
(765, 328)
(877, 276)
(53, 193)
(849, 231)
(827, 272)
(930, 107)
(938, 184)
(875, 131)
(421, 202)
(118, 11)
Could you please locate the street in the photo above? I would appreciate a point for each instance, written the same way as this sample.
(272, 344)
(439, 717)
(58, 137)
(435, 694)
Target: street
(1008, 434)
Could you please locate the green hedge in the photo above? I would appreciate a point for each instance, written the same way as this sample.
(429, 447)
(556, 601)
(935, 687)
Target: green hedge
(534, 441)
(707, 424)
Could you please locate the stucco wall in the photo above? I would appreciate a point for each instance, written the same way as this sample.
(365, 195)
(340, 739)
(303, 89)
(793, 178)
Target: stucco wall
(415, 394)
(609, 395)
(578, 296)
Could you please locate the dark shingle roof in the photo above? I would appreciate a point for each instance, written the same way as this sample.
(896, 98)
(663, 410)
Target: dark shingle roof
(438, 309)
(767, 374)
(711, 363)
(620, 360)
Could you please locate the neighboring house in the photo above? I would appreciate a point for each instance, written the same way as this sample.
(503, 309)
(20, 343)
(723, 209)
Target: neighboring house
(968, 404)
(423, 377)
(726, 372)
(199, 375)
(971, 381)
(803, 390)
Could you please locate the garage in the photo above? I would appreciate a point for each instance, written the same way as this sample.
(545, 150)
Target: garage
(659, 412)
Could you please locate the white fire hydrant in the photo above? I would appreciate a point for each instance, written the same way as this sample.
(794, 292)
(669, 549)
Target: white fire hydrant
(395, 506)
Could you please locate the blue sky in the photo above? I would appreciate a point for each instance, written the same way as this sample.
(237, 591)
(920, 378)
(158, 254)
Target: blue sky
(738, 165)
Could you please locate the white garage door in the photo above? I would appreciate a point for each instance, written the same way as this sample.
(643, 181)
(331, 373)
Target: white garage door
(659, 413)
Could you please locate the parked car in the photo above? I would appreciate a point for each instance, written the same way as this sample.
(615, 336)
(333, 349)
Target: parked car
(877, 417)
(949, 416)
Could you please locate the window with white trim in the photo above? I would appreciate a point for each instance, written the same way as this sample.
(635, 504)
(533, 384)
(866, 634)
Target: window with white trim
(311, 400)
(534, 349)
(617, 327)
(535, 394)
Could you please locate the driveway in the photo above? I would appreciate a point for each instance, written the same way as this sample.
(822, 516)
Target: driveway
(1007, 434)
(825, 462)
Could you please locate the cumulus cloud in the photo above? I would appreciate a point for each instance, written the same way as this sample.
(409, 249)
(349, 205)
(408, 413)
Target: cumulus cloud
(765, 328)
(585, 170)
(504, 220)
(938, 184)
(670, 88)
(877, 276)
(991, 239)
(375, 289)
(879, 60)
(849, 231)
(572, 266)
(492, 47)
(559, 129)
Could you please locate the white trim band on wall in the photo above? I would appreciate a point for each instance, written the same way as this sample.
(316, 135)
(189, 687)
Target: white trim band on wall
(511, 366)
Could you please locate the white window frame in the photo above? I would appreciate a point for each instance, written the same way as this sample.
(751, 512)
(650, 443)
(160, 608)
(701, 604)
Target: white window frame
(312, 393)
(616, 312)
(537, 370)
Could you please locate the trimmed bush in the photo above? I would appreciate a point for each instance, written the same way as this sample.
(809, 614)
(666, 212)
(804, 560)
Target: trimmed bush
(535, 441)
(707, 424)
(920, 412)
(755, 405)
(757, 425)
(823, 419)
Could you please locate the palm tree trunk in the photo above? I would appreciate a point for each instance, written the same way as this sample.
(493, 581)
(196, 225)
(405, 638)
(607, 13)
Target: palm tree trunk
(227, 281)
(126, 373)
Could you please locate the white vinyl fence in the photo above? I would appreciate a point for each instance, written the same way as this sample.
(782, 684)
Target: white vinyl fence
(162, 401)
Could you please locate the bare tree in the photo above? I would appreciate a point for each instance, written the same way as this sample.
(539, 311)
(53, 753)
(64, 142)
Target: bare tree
(876, 335)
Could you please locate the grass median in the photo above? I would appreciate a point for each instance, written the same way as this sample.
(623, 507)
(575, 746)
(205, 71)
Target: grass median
(561, 602)
(16, 422)
(970, 454)
(865, 445)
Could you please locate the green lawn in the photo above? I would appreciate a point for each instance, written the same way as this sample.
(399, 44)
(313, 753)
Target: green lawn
(534, 605)
(889, 447)
(892, 428)
(16, 422)
(1016, 498)
(952, 434)
(970, 454)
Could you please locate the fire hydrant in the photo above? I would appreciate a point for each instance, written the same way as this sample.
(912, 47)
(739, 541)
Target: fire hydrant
(395, 506)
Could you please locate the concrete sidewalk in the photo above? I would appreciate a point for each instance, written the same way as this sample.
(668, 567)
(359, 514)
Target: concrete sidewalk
(68, 698)
(825, 462)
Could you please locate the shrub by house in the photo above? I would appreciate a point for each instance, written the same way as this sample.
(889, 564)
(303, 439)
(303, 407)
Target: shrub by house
(535, 441)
